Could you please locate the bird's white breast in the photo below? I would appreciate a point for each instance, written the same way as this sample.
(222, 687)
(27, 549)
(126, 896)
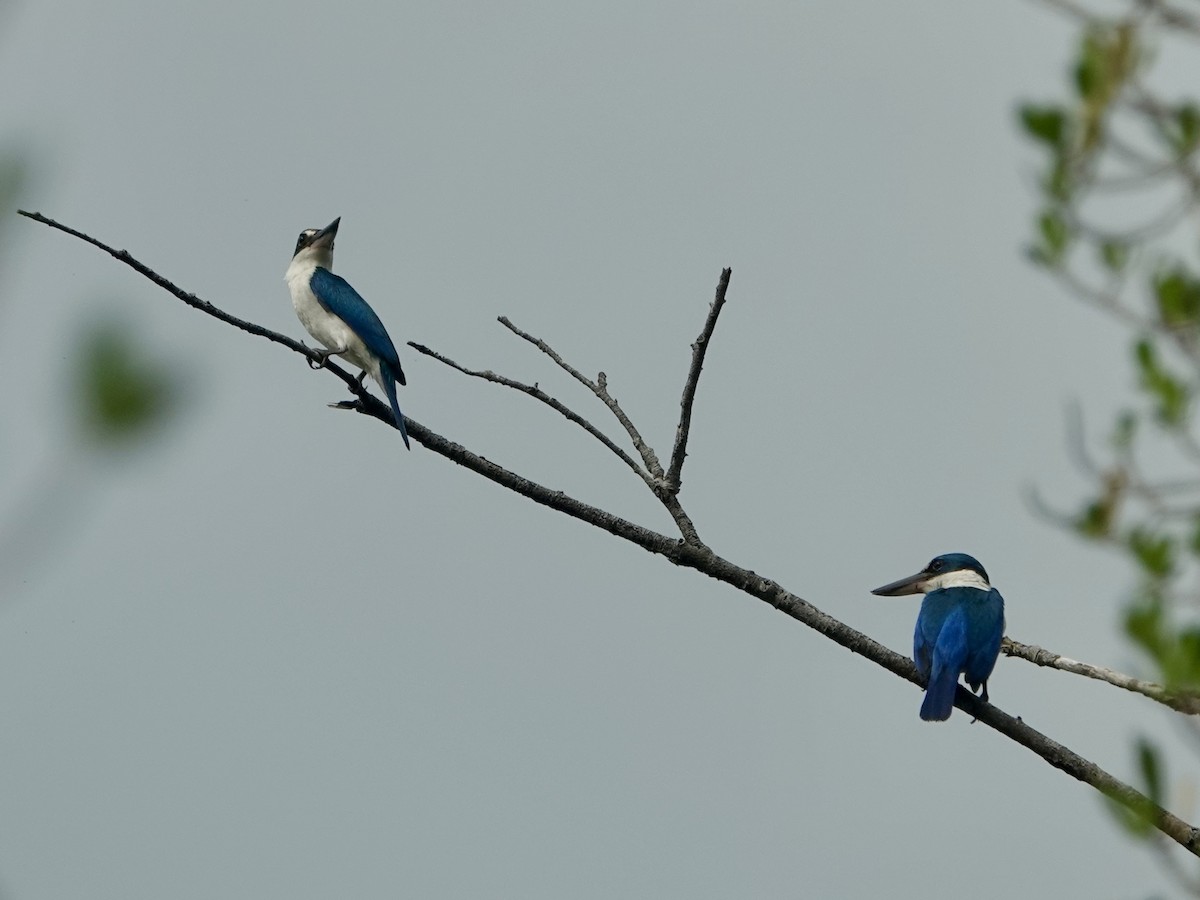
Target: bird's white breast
(323, 325)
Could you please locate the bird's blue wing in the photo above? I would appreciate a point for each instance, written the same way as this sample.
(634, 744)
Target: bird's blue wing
(335, 294)
(934, 609)
(984, 632)
(949, 654)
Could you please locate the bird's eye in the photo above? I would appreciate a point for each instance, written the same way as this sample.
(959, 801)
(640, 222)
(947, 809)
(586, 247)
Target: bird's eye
(935, 565)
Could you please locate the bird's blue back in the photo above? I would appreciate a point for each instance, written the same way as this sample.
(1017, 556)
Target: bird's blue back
(335, 294)
(958, 631)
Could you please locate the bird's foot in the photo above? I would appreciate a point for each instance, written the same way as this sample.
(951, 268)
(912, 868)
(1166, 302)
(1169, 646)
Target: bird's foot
(322, 358)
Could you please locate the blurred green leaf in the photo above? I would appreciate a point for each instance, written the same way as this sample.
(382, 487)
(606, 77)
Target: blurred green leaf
(1089, 66)
(1047, 124)
(1055, 236)
(1171, 394)
(1114, 255)
(1096, 520)
(122, 393)
(1108, 55)
(1186, 134)
(1154, 551)
(1183, 669)
(1144, 623)
(1178, 297)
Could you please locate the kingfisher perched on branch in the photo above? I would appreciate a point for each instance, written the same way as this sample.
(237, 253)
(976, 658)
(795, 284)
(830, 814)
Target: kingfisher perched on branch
(336, 315)
(958, 629)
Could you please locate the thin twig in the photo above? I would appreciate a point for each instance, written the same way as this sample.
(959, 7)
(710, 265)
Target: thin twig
(599, 387)
(538, 394)
(1180, 701)
(684, 522)
(699, 348)
(704, 560)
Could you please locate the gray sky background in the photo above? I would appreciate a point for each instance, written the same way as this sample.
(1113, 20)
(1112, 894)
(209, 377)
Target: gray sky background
(275, 655)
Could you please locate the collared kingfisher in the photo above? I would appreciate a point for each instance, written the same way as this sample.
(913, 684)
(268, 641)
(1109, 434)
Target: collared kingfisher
(336, 315)
(958, 629)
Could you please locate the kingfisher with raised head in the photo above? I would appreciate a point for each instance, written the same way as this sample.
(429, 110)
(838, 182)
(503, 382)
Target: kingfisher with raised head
(336, 315)
(958, 629)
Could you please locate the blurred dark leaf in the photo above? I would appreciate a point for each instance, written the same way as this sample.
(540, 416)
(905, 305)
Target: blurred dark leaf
(1047, 124)
(1186, 133)
(1114, 255)
(1171, 395)
(1178, 297)
(122, 393)
(1144, 624)
(1108, 55)
(1055, 236)
(1154, 551)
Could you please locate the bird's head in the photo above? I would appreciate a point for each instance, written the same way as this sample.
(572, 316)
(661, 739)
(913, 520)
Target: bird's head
(317, 244)
(947, 570)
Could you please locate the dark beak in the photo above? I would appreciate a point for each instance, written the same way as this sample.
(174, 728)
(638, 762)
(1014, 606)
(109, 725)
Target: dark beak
(329, 230)
(910, 585)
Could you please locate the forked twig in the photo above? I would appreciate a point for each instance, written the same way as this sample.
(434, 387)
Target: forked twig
(538, 394)
(599, 387)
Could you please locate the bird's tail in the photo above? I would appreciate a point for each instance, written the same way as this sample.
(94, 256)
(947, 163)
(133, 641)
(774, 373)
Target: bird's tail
(389, 387)
(939, 696)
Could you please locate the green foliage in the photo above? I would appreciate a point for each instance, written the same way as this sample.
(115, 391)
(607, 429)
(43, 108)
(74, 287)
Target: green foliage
(1171, 394)
(1055, 238)
(1114, 255)
(1185, 133)
(1047, 124)
(1111, 139)
(1174, 648)
(1154, 551)
(1178, 296)
(1108, 56)
(123, 395)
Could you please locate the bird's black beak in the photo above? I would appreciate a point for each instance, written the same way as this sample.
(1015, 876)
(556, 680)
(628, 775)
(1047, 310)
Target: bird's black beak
(913, 584)
(330, 230)
(323, 239)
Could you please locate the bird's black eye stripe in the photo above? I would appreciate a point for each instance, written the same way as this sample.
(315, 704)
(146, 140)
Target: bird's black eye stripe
(934, 565)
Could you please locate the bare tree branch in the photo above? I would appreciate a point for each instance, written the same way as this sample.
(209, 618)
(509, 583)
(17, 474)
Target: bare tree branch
(599, 387)
(699, 348)
(538, 394)
(1181, 701)
(702, 559)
